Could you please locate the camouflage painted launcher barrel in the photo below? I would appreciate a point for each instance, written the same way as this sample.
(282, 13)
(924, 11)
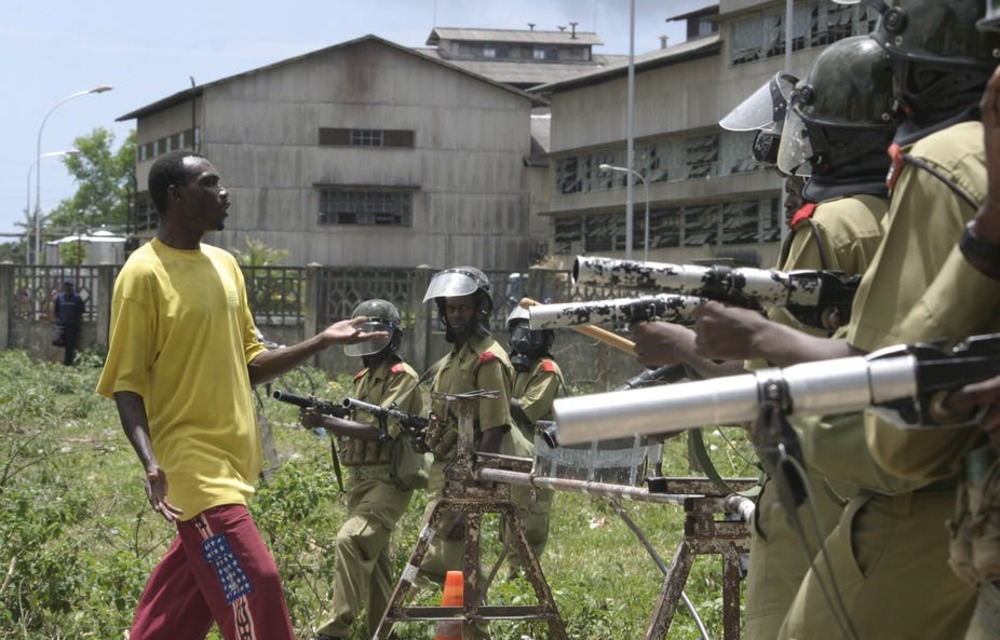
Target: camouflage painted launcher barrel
(665, 307)
(754, 288)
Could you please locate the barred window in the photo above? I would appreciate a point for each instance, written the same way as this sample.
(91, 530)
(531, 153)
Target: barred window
(366, 138)
(368, 206)
(386, 138)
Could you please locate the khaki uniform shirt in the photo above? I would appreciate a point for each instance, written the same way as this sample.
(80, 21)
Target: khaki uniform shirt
(480, 364)
(536, 390)
(940, 295)
(849, 233)
(389, 383)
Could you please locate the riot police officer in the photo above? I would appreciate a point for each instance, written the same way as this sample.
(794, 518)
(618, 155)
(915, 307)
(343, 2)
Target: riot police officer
(376, 496)
(537, 381)
(889, 551)
(476, 362)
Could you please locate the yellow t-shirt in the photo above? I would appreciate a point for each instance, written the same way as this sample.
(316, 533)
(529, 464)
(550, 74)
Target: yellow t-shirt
(181, 337)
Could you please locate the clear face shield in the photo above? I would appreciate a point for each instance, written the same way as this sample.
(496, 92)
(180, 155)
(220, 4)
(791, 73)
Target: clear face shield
(764, 110)
(451, 284)
(369, 347)
(795, 150)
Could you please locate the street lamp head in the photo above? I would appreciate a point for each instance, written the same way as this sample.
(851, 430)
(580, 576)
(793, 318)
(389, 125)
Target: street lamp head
(101, 88)
(605, 167)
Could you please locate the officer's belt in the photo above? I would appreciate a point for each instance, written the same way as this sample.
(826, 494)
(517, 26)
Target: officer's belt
(369, 471)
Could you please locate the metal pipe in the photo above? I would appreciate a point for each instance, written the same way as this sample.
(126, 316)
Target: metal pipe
(816, 388)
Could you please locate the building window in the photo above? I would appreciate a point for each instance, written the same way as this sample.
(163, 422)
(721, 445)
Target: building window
(364, 205)
(489, 51)
(744, 222)
(180, 140)
(701, 156)
(385, 138)
(146, 217)
(545, 53)
(816, 23)
(366, 137)
(568, 235)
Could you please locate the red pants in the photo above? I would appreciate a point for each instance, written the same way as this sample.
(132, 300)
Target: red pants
(217, 570)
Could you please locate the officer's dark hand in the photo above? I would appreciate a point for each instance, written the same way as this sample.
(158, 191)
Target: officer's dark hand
(727, 333)
(660, 343)
(979, 394)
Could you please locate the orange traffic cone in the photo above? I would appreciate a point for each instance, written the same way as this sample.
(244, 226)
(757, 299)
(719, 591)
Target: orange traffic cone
(451, 629)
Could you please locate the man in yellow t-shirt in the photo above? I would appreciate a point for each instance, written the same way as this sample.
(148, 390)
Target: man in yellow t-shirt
(183, 355)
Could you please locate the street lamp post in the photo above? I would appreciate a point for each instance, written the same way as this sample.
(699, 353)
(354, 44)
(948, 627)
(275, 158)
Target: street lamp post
(38, 156)
(645, 186)
(27, 206)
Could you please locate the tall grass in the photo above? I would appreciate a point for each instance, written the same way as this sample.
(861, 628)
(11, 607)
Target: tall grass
(78, 539)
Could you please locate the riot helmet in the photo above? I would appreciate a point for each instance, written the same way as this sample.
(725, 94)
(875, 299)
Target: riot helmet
(940, 59)
(763, 112)
(382, 316)
(526, 344)
(455, 283)
(840, 117)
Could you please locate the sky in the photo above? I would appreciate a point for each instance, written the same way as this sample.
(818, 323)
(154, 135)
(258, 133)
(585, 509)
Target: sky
(52, 49)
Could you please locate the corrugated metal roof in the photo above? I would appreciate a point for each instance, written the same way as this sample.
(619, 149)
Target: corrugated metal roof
(513, 35)
(712, 9)
(528, 73)
(698, 48)
(187, 94)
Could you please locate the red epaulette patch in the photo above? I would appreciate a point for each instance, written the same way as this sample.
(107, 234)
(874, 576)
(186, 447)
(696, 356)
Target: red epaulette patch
(397, 368)
(804, 213)
(895, 166)
(487, 356)
(360, 373)
(548, 366)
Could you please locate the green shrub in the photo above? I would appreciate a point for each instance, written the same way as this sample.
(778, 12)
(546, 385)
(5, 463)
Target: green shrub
(78, 539)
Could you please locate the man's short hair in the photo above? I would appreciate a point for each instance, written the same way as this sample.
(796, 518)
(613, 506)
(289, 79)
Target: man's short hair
(168, 169)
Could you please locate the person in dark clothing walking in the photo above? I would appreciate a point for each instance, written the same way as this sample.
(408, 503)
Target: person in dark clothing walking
(67, 310)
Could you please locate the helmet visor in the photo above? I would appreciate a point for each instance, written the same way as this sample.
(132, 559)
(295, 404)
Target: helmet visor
(795, 150)
(451, 284)
(368, 347)
(764, 110)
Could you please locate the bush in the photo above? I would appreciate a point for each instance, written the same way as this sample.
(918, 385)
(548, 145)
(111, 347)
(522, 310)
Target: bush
(78, 539)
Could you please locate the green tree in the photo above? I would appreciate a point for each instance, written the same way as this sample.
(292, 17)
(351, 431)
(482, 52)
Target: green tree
(259, 254)
(72, 254)
(104, 183)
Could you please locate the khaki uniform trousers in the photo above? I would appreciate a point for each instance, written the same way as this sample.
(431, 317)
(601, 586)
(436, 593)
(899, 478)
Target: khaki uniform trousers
(778, 560)
(901, 570)
(363, 579)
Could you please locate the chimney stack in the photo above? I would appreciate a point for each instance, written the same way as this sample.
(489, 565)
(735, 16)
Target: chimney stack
(531, 26)
(663, 41)
(573, 32)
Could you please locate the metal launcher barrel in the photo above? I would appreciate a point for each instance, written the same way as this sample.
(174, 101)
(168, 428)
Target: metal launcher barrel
(815, 388)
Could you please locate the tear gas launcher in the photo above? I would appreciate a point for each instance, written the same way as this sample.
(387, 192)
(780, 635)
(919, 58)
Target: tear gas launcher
(413, 425)
(309, 402)
(817, 298)
(905, 384)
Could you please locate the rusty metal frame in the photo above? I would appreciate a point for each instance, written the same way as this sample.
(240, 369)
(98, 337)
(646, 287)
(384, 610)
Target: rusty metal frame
(464, 493)
(477, 483)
